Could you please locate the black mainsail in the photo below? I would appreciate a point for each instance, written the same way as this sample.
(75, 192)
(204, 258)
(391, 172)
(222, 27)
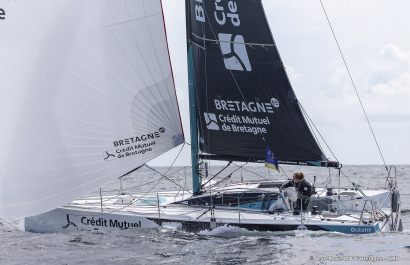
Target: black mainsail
(243, 94)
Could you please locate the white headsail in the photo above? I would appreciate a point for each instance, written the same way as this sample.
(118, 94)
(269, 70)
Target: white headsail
(87, 96)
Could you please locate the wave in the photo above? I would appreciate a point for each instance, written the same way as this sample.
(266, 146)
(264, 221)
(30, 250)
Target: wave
(231, 231)
(224, 230)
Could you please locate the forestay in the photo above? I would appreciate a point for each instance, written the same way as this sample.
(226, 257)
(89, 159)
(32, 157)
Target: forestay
(87, 96)
(243, 92)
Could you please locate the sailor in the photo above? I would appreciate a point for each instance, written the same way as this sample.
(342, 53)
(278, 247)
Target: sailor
(304, 190)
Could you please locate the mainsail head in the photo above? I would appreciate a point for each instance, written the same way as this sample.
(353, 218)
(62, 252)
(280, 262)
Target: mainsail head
(87, 96)
(243, 93)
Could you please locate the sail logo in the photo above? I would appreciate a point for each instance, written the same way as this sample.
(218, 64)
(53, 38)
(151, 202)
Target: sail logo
(254, 107)
(69, 223)
(109, 155)
(234, 52)
(2, 14)
(102, 222)
(136, 139)
(274, 102)
(211, 121)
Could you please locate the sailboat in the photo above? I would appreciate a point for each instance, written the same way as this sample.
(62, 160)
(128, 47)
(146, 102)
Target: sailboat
(94, 100)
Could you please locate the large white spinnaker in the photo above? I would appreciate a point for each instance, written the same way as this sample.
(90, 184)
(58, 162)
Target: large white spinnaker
(87, 96)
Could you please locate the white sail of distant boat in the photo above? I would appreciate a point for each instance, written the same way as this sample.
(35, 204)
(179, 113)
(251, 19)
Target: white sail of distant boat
(87, 96)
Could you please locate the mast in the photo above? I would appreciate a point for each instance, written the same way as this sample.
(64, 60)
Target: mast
(194, 129)
(192, 106)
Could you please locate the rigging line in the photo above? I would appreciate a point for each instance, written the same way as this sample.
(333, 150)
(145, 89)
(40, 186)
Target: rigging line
(329, 179)
(243, 167)
(165, 177)
(323, 139)
(145, 194)
(178, 170)
(347, 177)
(351, 79)
(282, 170)
(233, 42)
(10, 224)
(203, 185)
(310, 123)
(105, 213)
(341, 171)
(182, 147)
(130, 188)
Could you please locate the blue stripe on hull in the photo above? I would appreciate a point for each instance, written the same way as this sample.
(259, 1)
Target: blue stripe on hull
(352, 229)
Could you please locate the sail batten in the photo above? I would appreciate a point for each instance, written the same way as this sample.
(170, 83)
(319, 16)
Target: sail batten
(233, 42)
(88, 97)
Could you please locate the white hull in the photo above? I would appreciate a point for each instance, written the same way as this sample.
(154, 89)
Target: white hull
(72, 220)
(124, 212)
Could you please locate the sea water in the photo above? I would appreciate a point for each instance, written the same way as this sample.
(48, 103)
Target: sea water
(224, 245)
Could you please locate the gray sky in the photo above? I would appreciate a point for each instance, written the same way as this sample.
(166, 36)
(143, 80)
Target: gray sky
(375, 40)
